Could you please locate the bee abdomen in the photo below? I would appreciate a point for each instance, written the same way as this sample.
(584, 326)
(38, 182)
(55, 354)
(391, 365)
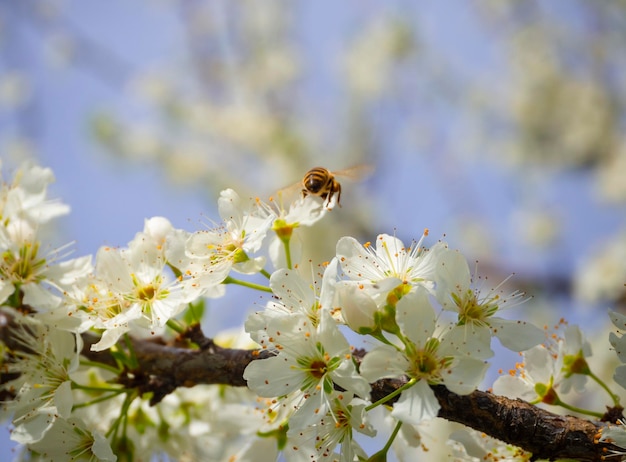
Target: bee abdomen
(316, 179)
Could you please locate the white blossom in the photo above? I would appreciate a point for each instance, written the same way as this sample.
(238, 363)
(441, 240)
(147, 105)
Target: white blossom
(431, 355)
(295, 298)
(232, 245)
(547, 369)
(301, 213)
(132, 285)
(319, 441)
(369, 266)
(310, 361)
(43, 387)
(477, 311)
(70, 440)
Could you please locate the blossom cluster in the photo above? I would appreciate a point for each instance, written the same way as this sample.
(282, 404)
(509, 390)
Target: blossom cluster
(310, 398)
(549, 370)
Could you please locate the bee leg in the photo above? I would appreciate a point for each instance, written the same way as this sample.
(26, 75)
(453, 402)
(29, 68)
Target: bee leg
(327, 198)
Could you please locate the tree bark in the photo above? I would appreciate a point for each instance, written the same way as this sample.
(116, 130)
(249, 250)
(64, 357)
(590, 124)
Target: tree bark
(194, 359)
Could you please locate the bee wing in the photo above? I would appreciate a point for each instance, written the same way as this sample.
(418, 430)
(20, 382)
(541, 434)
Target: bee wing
(356, 173)
(289, 193)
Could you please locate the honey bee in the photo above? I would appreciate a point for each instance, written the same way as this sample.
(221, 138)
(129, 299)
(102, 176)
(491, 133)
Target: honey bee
(320, 181)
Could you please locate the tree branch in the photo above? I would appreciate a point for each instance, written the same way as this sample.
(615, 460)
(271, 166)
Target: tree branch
(545, 434)
(161, 368)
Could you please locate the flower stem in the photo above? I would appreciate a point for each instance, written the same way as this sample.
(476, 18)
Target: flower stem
(104, 389)
(614, 397)
(88, 363)
(287, 253)
(391, 395)
(378, 335)
(251, 285)
(122, 417)
(106, 397)
(382, 454)
(175, 326)
(569, 407)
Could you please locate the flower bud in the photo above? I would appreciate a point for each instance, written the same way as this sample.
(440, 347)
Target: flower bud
(357, 307)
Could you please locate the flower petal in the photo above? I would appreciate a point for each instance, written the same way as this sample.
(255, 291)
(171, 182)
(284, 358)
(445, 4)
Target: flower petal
(416, 404)
(516, 335)
(416, 316)
(383, 361)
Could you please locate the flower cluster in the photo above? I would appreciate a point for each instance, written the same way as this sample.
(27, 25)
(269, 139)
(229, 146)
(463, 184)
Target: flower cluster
(556, 372)
(389, 293)
(141, 289)
(549, 369)
(417, 307)
(27, 214)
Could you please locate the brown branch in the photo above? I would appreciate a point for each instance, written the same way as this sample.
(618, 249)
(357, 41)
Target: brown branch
(544, 434)
(161, 368)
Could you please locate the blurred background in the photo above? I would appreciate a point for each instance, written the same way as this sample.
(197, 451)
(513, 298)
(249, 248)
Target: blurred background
(497, 125)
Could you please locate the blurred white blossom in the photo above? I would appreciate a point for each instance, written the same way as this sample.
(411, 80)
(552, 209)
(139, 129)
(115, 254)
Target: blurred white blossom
(601, 276)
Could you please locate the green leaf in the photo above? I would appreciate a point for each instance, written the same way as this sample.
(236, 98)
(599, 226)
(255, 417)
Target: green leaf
(194, 312)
